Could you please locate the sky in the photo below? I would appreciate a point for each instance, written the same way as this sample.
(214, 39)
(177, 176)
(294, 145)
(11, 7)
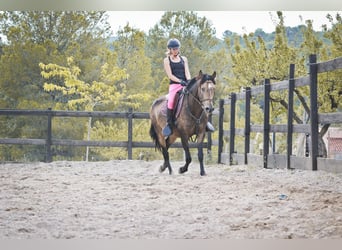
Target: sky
(236, 21)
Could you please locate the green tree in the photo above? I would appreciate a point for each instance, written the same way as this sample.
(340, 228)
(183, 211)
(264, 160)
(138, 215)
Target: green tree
(31, 37)
(254, 63)
(334, 35)
(129, 47)
(85, 96)
(46, 36)
(198, 44)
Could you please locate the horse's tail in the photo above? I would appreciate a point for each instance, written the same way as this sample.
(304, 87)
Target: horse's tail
(154, 136)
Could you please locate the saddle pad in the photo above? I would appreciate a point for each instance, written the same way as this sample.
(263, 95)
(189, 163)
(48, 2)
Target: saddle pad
(178, 106)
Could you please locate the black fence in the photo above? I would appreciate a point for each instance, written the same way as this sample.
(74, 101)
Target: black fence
(50, 140)
(268, 160)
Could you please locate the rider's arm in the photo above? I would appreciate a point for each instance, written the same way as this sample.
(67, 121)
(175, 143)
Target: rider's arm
(186, 66)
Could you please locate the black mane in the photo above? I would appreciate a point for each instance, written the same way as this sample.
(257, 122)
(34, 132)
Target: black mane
(205, 77)
(191, 83)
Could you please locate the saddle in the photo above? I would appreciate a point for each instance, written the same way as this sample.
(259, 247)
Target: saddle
(179, 98)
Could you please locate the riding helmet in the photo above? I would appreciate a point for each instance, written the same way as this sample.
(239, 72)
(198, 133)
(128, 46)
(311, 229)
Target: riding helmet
(173, 43)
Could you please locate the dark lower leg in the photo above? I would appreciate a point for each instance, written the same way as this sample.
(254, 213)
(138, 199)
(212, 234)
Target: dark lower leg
(187, 161)
(168, 129)
(166, 163)
(200, 159)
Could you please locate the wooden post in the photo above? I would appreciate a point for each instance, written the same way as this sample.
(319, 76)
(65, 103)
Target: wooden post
(267, 89)
(274, 142)
(247, 122)
(220, 132)
(290, 115)
(232, 127)
(130, 134)
(313, 111)
(49, 137)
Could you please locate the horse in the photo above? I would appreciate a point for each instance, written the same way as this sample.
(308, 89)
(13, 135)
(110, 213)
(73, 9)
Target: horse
(192, 119)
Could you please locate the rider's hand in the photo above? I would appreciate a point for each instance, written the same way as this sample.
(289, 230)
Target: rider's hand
(183, 83)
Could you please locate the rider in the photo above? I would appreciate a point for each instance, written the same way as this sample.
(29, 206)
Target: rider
(177, 70)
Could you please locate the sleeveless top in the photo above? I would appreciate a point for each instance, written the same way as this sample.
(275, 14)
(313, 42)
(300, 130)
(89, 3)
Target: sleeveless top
(178, 70)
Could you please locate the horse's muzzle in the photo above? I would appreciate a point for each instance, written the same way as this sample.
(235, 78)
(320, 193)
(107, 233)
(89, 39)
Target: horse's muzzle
(209, 109)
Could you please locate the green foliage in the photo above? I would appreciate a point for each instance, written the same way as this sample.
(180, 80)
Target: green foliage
(198, 44)
(334, 35)
(48, 37)
(255, 62)
(136, 61)
(82, 95)
(62, 60)
(118, 131)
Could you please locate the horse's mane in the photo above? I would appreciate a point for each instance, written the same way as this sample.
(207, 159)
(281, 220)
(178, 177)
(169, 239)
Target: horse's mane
(205, 77)
(191, 83)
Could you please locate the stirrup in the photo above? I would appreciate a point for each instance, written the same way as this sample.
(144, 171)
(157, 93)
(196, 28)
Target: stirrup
(167, 130)
(210, 127)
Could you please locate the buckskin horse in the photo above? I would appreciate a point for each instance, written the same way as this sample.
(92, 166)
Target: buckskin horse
(191, 119)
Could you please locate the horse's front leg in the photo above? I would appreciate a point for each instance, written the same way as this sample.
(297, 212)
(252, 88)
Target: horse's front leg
(166, 163)
(200, 140)
(200, 158)
(185, 145)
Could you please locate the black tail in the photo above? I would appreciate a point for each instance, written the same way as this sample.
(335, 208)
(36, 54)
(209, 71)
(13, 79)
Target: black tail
(154, 136)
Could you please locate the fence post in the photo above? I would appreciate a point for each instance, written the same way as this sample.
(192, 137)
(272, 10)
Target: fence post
(267, 89)
(290, 115)
(130, 133)
(232, 127)
(247, 122)
(49, 137)
(313, 111)
(220, 132)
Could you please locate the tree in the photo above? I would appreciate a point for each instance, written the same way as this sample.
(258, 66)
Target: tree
(85, 96)
(334, 34)
(198, 44)
(134, 59)
(31, 37)
(255, 63)
(48, 37)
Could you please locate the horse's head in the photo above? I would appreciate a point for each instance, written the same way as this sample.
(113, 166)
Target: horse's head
(206, 90)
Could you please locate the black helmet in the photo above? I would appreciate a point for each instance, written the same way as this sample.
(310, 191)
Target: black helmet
(173, 43)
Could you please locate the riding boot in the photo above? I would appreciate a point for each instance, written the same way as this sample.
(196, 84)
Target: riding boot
(210, 127)
(167, 131)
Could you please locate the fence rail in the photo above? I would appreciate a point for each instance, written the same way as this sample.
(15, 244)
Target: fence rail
(275, 160)
(266, 160)
(50, 141)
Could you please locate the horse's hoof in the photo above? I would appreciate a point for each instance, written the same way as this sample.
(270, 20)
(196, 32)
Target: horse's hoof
(182, 170)
(161, 169)
(203, 173)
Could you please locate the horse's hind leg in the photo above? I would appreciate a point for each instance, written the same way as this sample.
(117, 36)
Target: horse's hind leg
(166, 163)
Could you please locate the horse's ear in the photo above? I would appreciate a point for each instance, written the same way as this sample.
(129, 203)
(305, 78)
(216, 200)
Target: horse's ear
(214, 75)
(199, 75)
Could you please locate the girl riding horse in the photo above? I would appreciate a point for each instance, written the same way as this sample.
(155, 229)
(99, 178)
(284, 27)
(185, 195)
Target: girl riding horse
(177, 70)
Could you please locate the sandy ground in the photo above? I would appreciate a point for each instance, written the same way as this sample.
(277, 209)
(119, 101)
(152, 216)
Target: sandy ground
(132, 200)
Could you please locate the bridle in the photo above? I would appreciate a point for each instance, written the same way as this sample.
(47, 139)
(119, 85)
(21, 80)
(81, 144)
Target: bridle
(197, 99)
